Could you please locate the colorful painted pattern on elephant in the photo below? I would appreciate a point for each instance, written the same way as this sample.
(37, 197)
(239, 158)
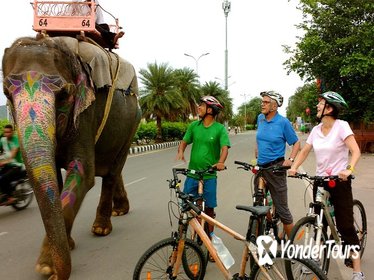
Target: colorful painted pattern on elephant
(84, 97)
(33, 96)
(73, 183)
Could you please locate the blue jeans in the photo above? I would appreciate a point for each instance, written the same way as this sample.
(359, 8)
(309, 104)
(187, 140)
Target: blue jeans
(210, 190)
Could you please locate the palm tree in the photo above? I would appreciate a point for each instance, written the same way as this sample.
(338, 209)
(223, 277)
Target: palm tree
(214, 89)
(159, 97)
(188, 85)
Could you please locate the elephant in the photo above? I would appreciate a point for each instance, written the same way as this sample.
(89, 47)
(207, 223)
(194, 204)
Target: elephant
(69, 115)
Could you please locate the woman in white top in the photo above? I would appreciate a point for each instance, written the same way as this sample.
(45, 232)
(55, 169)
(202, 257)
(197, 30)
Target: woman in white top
(332, 140)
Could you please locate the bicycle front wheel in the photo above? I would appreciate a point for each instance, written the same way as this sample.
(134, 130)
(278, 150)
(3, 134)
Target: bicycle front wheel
(304, 233)
(300, 269)
(157, 261)
(360, 224)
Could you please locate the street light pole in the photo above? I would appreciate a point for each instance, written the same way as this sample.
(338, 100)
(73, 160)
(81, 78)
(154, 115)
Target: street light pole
(245, 109)
(196, 60)
(226, 6)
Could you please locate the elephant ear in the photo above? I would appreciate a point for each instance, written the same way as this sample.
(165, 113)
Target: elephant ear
(84, 95)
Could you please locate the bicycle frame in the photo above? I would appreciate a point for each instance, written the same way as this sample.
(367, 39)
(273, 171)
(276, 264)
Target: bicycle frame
(194, 223)
(321, 200)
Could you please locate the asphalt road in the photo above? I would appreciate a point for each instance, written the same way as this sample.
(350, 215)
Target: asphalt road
(114, 256)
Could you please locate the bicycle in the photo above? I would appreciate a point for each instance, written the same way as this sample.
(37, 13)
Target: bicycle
(169, 259)
(310, 230)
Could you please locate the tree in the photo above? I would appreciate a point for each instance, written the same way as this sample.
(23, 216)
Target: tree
(159, 97)
(214, 89)
(305, 97)
(337, 48)
(188, 85)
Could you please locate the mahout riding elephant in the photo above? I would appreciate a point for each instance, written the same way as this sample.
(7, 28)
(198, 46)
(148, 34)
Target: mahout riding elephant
(70, 115)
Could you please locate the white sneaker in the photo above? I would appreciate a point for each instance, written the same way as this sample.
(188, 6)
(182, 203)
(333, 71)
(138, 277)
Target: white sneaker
(358, 276)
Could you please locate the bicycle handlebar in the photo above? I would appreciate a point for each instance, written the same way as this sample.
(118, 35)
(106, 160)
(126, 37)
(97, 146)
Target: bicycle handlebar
(318, 178)
(255, 168)
(200, 173)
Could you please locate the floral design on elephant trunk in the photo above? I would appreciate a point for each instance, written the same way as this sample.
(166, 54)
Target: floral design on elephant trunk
(33, 96)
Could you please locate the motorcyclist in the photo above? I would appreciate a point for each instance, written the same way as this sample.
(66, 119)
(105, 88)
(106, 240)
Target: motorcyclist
(11, 164)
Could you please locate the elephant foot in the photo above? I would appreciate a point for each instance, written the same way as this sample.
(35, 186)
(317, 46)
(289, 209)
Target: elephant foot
(101, 227)
(119, 211)
(120, 207)
(44, 264)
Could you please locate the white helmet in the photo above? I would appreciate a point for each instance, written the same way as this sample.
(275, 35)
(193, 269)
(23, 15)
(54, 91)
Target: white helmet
(273, 95)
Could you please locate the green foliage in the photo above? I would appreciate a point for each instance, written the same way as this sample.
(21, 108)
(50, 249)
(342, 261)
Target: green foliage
(305, 97)
(146, 131)
(3, 122)
(338, 48)
(173, 130)
(250, 127)
(250, 110)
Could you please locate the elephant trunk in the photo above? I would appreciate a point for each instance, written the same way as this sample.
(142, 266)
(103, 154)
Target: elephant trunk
(34, 109)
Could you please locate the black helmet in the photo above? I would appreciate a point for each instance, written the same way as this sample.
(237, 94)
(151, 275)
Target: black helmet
(212, 102)
(273, 95)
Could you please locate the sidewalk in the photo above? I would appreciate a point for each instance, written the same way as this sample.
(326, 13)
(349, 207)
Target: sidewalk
(363, 190)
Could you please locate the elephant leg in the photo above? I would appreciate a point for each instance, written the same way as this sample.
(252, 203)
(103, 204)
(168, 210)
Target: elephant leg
(121, 205)
(72, 194)
(102, 225)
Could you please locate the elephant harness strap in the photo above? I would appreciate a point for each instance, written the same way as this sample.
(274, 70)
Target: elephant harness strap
(111, 90)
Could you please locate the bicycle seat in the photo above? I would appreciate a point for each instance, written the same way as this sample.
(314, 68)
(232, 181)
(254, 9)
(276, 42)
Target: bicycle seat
(256, 210)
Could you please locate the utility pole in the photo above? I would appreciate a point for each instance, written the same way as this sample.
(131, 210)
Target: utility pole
(245, 109)
(226, 6)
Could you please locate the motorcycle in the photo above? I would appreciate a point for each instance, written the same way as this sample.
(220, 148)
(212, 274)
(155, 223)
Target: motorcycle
(22, 192)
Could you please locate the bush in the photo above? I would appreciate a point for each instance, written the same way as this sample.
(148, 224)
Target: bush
(171, 131)
(146, 132)
(250, 127)
(3, 122)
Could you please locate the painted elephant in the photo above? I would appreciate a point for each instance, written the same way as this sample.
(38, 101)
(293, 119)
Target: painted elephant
(67, 120)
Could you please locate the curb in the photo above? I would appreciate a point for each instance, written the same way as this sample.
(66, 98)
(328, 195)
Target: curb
(146, 148)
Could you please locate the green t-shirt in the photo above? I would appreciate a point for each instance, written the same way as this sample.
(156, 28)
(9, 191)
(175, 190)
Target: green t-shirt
(7, 146)
(207, 143)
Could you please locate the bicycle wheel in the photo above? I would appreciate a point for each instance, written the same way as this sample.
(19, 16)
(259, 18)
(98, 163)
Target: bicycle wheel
(360, 223)
(305, 233)
(156, 261)
(300, 269)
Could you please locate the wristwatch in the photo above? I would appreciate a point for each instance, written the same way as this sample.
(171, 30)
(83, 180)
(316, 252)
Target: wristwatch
(349, 167)
(291, 159)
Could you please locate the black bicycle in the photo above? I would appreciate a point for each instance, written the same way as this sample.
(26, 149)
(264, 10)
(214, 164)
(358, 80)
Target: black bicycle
(311, 231)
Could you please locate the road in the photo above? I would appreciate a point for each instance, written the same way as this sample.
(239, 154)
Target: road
(114, 257)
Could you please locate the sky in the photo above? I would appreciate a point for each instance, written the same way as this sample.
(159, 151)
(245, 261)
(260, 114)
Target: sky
(163, 31)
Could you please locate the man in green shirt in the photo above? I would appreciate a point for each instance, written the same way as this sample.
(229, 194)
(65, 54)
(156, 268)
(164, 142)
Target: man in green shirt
(210, 145)
(11, 164)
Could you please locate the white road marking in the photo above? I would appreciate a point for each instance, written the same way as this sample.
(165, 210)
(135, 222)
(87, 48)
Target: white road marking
(3, 233)
(136, 181)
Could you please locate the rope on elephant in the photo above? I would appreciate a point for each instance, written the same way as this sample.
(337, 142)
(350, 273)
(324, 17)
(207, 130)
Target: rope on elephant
(111, 90)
